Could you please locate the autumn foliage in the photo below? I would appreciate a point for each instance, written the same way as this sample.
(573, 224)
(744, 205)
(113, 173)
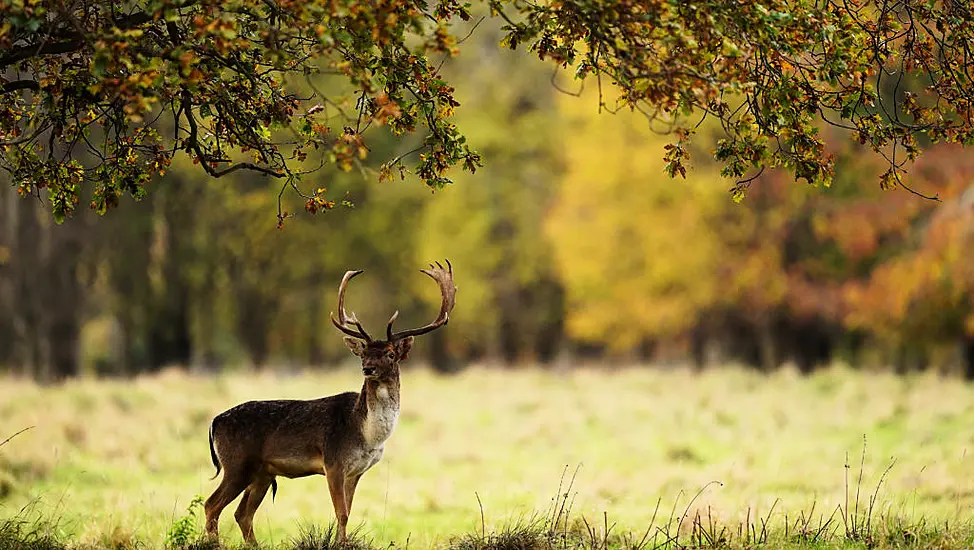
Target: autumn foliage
(794, 273)
(571, 242)
(97, 99)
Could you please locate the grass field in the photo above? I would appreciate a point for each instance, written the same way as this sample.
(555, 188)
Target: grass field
(121, 460)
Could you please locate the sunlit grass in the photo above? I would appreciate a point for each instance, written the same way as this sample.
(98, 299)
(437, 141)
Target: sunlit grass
(124, 458)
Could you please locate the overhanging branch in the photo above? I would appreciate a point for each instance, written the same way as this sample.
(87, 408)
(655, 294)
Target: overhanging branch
(15, 55)
(187, 110)
(28, 137)
(17, 85)
(244, 166)
(72, 41)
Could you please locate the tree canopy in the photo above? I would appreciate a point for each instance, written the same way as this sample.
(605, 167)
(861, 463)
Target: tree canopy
(96, 98)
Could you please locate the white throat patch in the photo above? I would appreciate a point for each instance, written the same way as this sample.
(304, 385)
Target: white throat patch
(382, 417)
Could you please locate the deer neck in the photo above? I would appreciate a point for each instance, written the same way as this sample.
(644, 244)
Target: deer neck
(378, 406)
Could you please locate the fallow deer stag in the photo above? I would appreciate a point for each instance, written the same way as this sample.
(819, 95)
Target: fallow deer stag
(340, 436)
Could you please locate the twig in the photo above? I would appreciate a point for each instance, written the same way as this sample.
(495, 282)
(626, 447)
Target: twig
(4, 442)
(483, 525)
(27, 138)
(556, 86)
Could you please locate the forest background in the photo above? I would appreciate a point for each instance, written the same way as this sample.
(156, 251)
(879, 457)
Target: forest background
(571, 245)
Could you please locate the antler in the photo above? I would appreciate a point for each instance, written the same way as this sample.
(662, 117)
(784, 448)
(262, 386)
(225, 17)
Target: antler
(444, 277)
(344, 319)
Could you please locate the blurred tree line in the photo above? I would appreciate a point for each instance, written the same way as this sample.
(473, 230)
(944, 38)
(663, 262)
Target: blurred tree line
(570, 243)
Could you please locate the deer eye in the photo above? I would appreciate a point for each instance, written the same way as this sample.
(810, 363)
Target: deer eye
(390, 355)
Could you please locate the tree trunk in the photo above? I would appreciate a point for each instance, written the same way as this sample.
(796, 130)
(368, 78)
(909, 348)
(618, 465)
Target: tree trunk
(550, 299)
(170, 335)
(968, 351)
(8, 273)
(63, 340)
(508, 337)
(253, 326)
(169, 340)
(128, 258)
(27, 250)
(698, 346)
(646, 350)
(129, 335)
(64, 297)
(900, 363)
(548, 340)
(441, 359)
(767, 347)
(205, 305)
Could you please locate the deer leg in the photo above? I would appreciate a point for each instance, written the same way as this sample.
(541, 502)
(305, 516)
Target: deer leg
(336, 486)
(251, 500)
(350, 484)
(232, 484)
(242, 510)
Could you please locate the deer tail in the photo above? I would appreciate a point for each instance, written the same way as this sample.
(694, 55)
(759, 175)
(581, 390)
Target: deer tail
(213, 457)
(273, 489)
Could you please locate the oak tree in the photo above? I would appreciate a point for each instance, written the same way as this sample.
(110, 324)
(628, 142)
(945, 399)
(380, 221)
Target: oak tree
(105, 94)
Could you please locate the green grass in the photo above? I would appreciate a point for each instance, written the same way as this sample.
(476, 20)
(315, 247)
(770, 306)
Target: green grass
(479, 457)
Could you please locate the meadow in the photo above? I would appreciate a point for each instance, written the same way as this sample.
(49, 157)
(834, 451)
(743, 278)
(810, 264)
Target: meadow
(109, 462)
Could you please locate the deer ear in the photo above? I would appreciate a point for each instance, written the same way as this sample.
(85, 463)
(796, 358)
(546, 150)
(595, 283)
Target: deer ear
(403, 346)
(355, 345)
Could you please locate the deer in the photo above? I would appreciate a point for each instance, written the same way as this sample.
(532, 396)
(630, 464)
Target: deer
(340, 436)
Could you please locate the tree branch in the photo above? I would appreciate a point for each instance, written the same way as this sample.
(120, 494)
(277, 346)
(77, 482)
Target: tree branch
(16, 55)
(187, 109)
(71, 42)
(26, 138)
(244, 166)
(19, 85)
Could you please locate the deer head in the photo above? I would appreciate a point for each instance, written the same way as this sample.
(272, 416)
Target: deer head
(380, 358)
